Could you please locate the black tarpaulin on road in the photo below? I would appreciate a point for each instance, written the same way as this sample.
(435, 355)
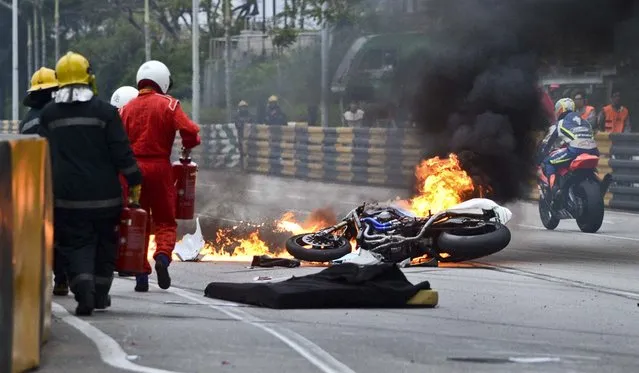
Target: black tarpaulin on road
(340, 286)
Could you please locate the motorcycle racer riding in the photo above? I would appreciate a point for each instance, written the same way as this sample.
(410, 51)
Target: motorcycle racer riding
(570, 137)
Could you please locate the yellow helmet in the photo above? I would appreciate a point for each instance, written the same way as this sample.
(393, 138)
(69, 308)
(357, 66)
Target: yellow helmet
(272, 99)
(74, 68)
(43, 79)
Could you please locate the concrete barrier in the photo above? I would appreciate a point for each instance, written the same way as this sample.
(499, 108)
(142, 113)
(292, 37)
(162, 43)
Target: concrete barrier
(26, 244)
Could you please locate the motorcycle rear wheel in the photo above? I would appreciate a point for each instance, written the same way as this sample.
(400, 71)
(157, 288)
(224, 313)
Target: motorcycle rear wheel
(461, 246)
(295, 247)
(591, 217)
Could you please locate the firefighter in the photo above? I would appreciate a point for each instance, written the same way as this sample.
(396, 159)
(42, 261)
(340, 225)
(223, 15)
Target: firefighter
(89, 148)
(123, 95)
(43, 86)
(151, 120)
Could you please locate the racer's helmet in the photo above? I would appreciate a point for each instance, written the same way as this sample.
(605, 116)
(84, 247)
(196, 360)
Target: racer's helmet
(123, 95)
(156, 73)
(564, 105)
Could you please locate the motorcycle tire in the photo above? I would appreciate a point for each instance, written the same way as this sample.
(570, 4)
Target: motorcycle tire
(317, 255)
(549, 220)
(592, 215)
(460, 246)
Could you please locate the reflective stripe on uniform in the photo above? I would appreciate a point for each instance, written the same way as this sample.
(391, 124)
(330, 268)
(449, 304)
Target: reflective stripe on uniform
(130, 170)
(103, 280)
(30, 124)
(81, 278)
(113, 202)
(77, 121)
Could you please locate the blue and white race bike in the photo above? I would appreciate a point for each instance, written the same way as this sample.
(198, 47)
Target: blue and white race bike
(386, 232)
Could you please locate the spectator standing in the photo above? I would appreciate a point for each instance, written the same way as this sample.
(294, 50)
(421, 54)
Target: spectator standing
(614, 118)
(274, 114)
(354, 116)
(586, 112)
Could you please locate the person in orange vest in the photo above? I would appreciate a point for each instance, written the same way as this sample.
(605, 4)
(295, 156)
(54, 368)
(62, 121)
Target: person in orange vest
(614, 118)
(586, 112)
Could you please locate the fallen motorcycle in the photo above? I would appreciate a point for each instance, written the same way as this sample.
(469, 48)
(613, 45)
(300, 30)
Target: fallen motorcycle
(580, 196)
(470, 230)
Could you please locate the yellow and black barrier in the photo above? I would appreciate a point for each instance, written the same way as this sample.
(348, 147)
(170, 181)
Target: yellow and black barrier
(372, 156)
(26, 251)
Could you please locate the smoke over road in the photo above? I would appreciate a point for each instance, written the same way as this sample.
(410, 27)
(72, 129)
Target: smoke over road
(479, 96)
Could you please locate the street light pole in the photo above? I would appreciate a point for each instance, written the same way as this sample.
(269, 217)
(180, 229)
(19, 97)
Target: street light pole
(324, 51)
(36, 44)
(195, 23)
(147, 36)
(14, 96)
(227, 59)
(44, 39)
(56, 26)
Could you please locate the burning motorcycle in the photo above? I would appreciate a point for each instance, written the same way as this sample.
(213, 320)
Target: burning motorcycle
(387, 232)
(580, 197)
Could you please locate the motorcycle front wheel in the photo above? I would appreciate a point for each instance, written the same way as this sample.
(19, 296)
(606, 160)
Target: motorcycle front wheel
(459, 245)
(304, 247)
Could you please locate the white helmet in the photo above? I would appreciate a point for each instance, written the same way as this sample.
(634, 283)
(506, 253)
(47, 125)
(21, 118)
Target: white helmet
(156, 72)
(563, 105)
(123, 95)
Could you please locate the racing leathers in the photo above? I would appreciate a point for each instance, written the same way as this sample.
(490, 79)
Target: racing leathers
(151, 120)
(570, 137)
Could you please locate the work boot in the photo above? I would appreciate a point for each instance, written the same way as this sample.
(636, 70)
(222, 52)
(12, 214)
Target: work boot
(86, 300)
(61, 288)
(142, 283)
(162, 271)
(102, 302)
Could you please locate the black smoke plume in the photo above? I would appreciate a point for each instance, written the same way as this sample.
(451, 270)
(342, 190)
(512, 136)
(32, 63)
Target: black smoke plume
(479, 96)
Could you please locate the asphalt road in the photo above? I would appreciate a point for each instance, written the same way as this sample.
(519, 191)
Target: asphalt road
(559, 301)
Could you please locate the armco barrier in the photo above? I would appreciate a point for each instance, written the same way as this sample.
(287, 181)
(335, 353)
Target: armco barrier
(10, 127)
(26, 241)
(625, 175)
(220, 147)
(372, 156)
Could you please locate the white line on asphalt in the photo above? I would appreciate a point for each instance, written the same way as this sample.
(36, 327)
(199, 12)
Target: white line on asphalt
(307, 349)
(590, 234)
(111, 352)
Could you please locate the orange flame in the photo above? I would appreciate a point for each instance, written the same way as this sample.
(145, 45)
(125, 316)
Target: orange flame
(442, 183)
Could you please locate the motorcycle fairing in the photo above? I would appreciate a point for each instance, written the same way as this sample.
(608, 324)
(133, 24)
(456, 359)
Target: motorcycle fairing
(360, 257)
(479, 205)
(584, 161)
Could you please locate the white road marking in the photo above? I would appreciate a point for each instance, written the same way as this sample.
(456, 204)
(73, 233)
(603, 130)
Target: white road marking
(307, 349)
(589, 234)
(532, 360)
(111, 352)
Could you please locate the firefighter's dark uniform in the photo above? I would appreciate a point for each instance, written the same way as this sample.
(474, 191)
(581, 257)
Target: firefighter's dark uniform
(89, 147)
(43, 84)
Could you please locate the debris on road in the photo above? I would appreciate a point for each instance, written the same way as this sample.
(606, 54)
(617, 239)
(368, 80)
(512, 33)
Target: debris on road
(348, 285)
(267, 262)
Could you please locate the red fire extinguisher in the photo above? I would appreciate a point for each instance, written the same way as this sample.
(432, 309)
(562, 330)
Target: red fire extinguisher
(132, 229)
(184, 175)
